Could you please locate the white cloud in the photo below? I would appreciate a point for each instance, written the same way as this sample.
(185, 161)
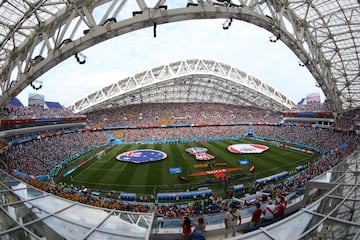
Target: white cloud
(243, 46)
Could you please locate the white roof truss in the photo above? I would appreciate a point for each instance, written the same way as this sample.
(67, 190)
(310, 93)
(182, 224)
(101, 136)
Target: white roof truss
(36, 36)
(193, 80)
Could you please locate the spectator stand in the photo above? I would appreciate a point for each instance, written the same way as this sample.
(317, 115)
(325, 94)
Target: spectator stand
(272, 178)
(183, 196)
(16, 102)
(56, 105)
(128, 196)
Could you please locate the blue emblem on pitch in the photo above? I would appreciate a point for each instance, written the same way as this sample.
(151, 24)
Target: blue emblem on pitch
(141, 156)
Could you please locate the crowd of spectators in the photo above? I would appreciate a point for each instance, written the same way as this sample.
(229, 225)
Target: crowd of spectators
(323, 139)
(38, 157)
(155, 114)
(151, 114)
(15, 112)
(313, 107)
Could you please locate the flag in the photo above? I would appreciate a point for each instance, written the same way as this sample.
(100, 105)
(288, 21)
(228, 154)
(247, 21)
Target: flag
(203, 156)
(111, 136)
(141, 156)
(133, 154)
(313, 97)
(301, 101)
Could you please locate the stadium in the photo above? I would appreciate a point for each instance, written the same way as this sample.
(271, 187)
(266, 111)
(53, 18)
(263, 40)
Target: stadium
(191, 137)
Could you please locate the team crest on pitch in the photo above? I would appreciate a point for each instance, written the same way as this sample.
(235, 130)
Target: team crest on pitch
(141, 156)
(195, 150)
(247, 148)
(200, 153)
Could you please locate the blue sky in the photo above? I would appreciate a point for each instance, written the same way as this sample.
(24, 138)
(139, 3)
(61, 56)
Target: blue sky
(243, 46)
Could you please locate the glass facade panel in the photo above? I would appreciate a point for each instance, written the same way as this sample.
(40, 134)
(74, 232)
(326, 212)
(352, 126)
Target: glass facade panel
(341, 191)
(348, 211)
(13, 184)
(114, 224)
(28, 193)
(3, 187)
(315, 220)
(258, 236)
(333, 230)
(314, 206)
(289, 228)
(55, 228)
(6, 222)
(51, 204)
(5, 177)
(18, 234)
(355, 194)
(323, 178)
(349, 178)
(327, 205)
(24, 212)
(83, 215)
(106, 236)
(8, 197)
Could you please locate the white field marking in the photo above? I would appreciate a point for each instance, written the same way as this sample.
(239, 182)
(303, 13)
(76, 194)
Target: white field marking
(105, 169)
(100, 169)
(120, 185)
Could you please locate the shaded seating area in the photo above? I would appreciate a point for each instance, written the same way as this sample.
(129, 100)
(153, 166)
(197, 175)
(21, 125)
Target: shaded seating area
(128, 196)
(239, 188)
(16, 102)
(56, 105)
(272, 178)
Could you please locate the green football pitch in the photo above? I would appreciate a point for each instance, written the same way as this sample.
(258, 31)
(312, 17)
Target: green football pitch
(108, 173)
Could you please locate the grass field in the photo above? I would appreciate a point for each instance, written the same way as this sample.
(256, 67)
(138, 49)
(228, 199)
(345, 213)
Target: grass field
(107, 173)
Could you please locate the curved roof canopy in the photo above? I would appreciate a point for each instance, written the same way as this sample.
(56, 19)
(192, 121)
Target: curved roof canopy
(37, 35)
(192, 80)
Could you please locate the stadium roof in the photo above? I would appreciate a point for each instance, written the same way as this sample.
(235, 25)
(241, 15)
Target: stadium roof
(37, 35)
(194, 80)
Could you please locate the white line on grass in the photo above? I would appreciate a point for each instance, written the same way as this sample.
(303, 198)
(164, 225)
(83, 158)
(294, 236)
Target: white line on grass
(119, 185)
(99, 169)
